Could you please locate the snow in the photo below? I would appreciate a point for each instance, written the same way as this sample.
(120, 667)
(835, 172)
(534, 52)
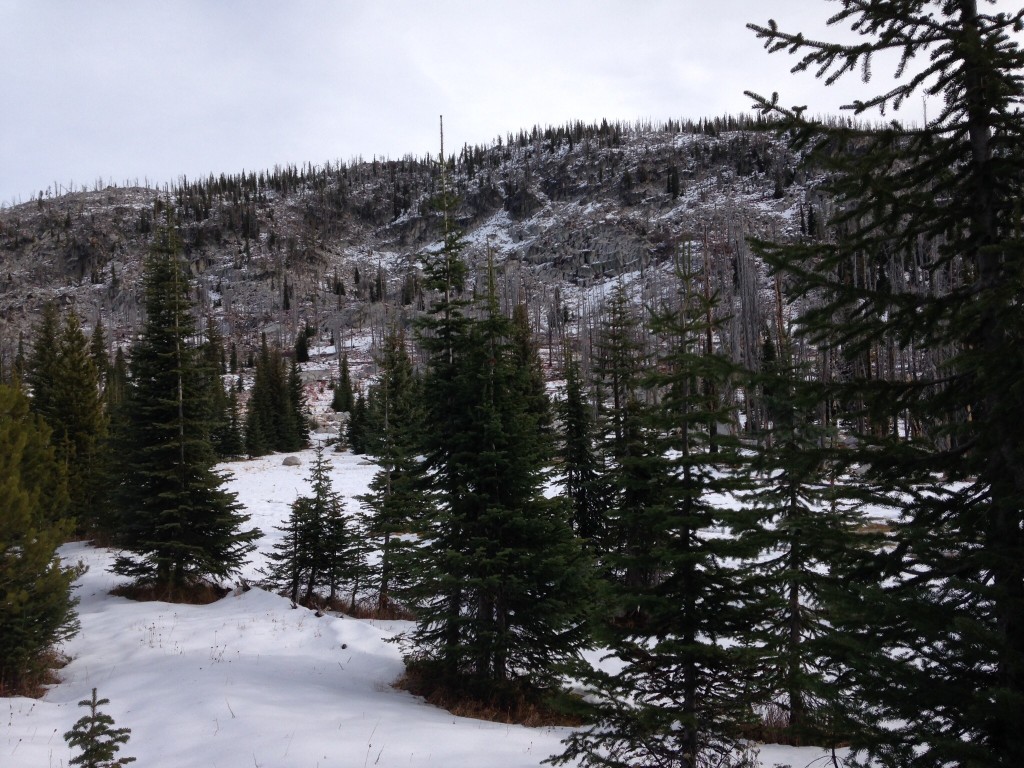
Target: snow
(250, 681)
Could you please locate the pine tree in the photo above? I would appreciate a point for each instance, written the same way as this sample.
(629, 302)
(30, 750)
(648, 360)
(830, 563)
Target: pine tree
(42, 367)
(79, 424)
(809, 540)
(100, 354)
(579, 463)
(927, 254)
(36, 606)
(276, 419)
(502, 593)
(96, 737)
(679, 696)
(319, 551)
(343, 397)
(175, 520)
(393, 502)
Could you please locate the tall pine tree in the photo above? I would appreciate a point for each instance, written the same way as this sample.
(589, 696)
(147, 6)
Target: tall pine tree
(927, 254)
(176, 522)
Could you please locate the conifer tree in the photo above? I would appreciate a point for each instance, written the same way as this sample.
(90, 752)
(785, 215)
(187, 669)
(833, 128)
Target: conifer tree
(502, 593)
(935, 641)
(176, 522)
(79, 424)
(42, 366)
(807, 539)
(392, 504)
(343, 397)
(679, 696)
(96, 738)
(579, 462)
(319, 551)
(276, 419)
(100, 354)
(36, 606)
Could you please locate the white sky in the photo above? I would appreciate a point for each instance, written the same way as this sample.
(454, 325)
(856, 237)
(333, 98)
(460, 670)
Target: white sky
(118, 91)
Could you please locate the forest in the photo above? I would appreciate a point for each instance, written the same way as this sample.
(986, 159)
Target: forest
(632, 389)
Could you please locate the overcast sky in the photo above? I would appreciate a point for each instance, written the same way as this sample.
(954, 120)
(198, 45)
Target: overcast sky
(134, 89)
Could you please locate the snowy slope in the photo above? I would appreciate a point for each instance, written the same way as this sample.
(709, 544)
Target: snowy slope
(249, 681)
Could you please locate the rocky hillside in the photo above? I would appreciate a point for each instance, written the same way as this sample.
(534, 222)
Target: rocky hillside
(562, 211)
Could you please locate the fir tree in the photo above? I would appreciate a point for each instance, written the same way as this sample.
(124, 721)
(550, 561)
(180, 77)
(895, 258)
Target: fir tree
(579, 465)
(96, 737)
(501, 596)
(276, 418)
(679, 696)
(318, 552)
(36, 606)
(43, 366)
(79, 424)
(393, 502)
(343, 397)
(935, 641)
(175, 520)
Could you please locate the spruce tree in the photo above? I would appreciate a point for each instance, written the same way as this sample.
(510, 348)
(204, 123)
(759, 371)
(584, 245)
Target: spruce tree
(502, 591)
(393, 502)
(343, 398)
(176, 522)
(679, 697)
(96, 738)
(579, 462)
(926, 253)
(42, 366)
(80, 424)
(319, 551)
(36, 606)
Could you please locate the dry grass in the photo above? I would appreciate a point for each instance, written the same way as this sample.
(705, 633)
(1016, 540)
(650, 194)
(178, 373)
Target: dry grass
(199, 593)
(33, 684)
(513, 702)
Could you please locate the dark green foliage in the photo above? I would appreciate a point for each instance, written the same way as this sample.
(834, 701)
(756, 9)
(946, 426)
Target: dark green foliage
(66, 391)
(276, 418)
(358, 433)
(807, 527)
(925, 256)
(96, 738)
(79, 424)
(36, 607)
(342, 401)
(320, 551)
(302, 347)
(175, 520)
(679, 696)
(580, 467)
(393, 504)
(502, 589)
(43, 367)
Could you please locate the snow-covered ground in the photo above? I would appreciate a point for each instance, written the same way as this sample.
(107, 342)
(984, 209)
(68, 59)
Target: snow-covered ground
(249, 682)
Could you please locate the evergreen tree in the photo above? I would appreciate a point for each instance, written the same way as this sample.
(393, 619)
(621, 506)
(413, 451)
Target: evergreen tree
(343, 396)
(43, 366)
(319, 552)
(96, 737)
(99, 353)
(579, 465)
(632, 472)
(393, 502)
(503, 588)
(935, 641)
(808, 540)
(79, 425)
(276, 418)
(302, 347)
(679, 696)
(36, 607)
(175, 520)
